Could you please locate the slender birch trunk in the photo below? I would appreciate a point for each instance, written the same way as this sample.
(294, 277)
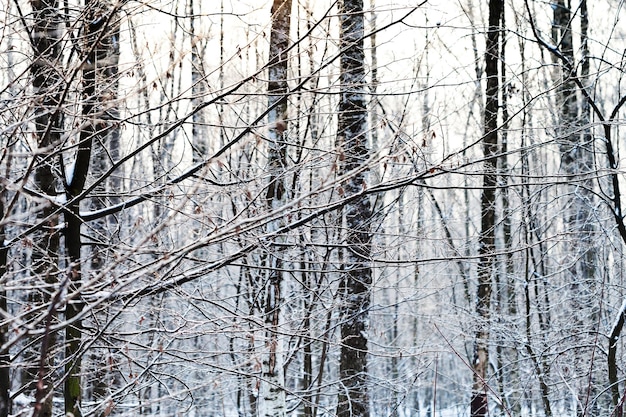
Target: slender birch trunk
(272, 392)
(199, 133)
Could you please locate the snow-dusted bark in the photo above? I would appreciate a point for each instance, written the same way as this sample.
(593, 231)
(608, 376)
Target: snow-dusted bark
(357, 273)
(199, 86)
(486, 265)
(272, 388)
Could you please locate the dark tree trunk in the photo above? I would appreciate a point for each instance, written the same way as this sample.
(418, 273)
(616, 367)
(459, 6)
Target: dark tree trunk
(101, 30)
(48, 126)
(577, 160)
(612, 362)
(486, 266)
(356, 281)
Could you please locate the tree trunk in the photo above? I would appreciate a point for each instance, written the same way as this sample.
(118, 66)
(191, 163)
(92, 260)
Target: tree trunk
(575, 146)
(199, 133)
(616, 330)
(486, 266)
(576, 161)
(100, 60)
(106, 151)
(353, 152)
(509, 377)
(48, 125)
(272, 392)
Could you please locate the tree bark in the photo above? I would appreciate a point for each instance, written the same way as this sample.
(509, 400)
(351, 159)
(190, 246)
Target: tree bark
(353, 153)
(616, 330)
(479, 406)
(272, 393)
(106, 151)
(575, 146)
(101, 30)
(576, 156)
(48, 85)
(199, 88)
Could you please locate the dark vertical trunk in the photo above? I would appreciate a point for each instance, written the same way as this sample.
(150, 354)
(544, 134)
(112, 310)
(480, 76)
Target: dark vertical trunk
(616, 330)
(48, 126)
(99, 65)
(356, 281)
(576, 151)
(576, 158)
(73, 245)
(486, 265)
